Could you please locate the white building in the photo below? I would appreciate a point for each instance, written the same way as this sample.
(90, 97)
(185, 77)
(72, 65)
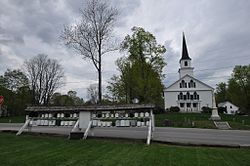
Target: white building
(188, 93)
(230, 107)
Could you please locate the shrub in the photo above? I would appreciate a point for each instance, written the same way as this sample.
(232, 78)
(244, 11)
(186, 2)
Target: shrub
(222, 110)
(158, 110)
(174, 109)
(206, 110)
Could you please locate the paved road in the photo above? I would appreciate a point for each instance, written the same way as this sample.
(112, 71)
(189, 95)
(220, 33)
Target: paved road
(196, 136)
(191, 136)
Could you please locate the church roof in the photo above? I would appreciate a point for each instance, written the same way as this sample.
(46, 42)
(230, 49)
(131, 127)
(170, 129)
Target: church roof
(222, 104)
(193, 79)
(184, 49)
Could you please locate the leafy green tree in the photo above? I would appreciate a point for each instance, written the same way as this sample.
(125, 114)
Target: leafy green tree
(14, 79)
(239, 87)
(17, 94)
(221, 93)
(140, 72)
(69, 99)
(77, 100)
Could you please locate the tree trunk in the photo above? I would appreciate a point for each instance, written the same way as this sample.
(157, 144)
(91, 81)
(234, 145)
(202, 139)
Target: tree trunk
(100, 80)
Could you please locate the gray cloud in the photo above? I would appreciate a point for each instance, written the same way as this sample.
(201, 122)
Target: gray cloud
(217, 33)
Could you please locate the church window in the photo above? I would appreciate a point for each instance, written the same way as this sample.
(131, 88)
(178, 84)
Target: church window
(194, 105)
(181, 105)
(185, 63)
(188, 95)
(184, 97)
(181, 96)
(183, 84)
(191, 97)
(191, 84)
(188, 104)
(195, 96)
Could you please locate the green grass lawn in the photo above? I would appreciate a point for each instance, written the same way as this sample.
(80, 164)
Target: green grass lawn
(12, 119)
(201, 120)
(37, 150)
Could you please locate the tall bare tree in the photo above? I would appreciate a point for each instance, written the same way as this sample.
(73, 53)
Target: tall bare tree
(91, 37)
(45, 75)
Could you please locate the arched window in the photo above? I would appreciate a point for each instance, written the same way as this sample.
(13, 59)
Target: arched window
(181, 95)
(188, 95)
(191, 84)
(183, 84)
(196, 96)
(185, 63)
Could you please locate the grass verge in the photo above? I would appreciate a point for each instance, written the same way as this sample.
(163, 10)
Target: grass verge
(33, 150)
(200, 120)
(13, 119)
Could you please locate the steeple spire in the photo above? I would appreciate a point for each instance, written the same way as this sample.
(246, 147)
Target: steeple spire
(184, 49)
(185, 61)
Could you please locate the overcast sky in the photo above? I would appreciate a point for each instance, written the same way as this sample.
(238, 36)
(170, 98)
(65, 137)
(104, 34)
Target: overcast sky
(217, 33)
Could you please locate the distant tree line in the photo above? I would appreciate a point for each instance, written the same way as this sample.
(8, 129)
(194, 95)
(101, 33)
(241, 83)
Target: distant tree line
(36, 85)
(236, 89)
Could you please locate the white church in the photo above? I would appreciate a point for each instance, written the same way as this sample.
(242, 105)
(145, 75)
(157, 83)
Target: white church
(188, 93)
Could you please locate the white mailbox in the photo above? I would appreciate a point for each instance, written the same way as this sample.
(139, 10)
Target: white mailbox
(122, 123)
(136, 114)
(94, 123)
(38, 122)
(62, 123)
(142, 114)
(127, 123)
(118, 123)
(99, 124)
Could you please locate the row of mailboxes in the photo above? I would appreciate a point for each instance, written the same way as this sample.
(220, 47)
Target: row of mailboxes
(51, 123)
(119, 123)
(118, 115)
(59, 115)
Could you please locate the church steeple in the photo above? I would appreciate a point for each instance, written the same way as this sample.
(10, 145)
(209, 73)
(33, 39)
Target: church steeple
(185, 55)
(185, 61)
